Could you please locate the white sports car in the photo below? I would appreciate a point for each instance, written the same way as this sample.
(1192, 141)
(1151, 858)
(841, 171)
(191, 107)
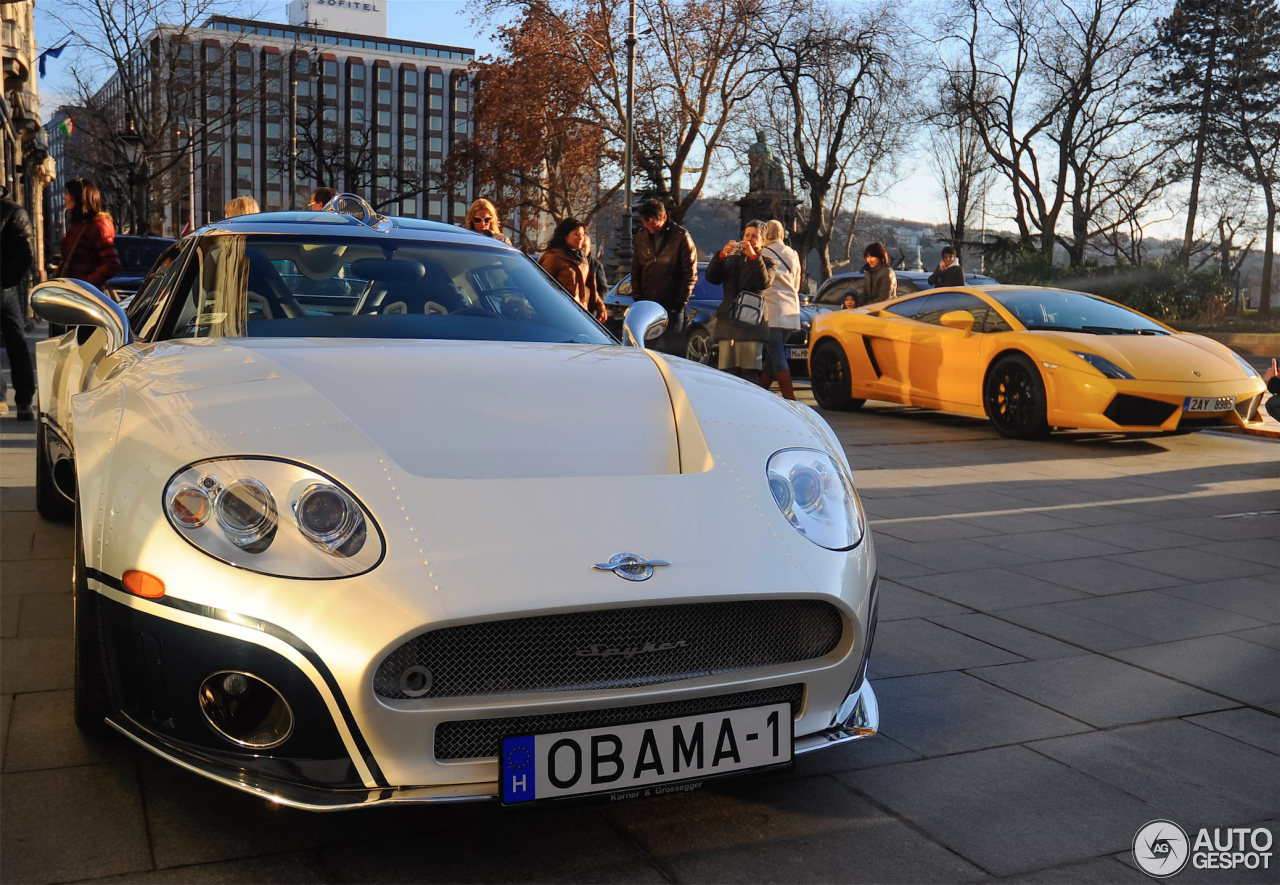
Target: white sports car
(368, 510)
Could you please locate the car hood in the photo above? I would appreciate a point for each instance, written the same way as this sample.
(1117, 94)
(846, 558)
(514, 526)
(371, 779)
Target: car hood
(441, 409)
(1181, 357)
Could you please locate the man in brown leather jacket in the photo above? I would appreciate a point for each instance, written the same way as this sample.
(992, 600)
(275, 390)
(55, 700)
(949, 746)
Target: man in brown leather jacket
(664, 268)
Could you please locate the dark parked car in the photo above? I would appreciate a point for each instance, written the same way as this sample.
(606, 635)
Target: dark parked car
(700, 320)
(137, 256)
(831, 293)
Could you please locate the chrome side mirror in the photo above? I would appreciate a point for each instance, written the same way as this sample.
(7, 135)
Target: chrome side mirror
(645, 321)
(66, 302)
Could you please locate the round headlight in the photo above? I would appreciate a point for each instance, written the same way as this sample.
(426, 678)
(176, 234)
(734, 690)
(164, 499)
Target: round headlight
(330, 519)
(189, 505)
(246, 513)
(816, 495)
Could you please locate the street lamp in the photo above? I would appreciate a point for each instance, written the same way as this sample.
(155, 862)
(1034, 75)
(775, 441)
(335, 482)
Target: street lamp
(184, 126)
(131, 146)
(628, 217)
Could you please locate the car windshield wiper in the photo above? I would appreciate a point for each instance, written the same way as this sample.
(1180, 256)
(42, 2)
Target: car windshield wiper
(1112, 330)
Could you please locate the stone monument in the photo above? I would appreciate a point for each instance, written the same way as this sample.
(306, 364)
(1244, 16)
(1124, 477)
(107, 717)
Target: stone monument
(769, 196)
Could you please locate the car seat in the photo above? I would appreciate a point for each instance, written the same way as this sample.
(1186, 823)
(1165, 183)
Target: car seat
(434, 292)
(268, 289)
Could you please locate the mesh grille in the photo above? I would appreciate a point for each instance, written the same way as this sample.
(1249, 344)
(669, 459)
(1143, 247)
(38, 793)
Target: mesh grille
(1248, 410)
(482, 738)
(613, 648)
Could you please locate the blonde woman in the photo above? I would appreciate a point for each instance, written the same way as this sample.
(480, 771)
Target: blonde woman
(482, 218)
(782, 305)
(241, 206)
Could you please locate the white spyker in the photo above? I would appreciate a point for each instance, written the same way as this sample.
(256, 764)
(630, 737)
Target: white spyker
(368, 510)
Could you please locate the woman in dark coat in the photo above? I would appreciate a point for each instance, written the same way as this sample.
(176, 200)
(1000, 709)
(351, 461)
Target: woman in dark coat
(880, 283)
(566, 261)
(89, 248)
(740, 267)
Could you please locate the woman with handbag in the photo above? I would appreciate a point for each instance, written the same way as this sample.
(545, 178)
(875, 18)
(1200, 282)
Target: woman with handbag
(89, 248)
(740, 268)
(782, 307)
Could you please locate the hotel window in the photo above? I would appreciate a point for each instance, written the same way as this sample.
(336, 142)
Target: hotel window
(273, 130)
(244, 151)
(437, 102)
(243, 59)
(212, 54)
(357, 116)
(331, 69)
(409, 121)
(356, 138)
(303, 65)
(460, 127)
(409, 207)
(434, 207)
(331, 115)
(273, 200)
(384, 139)
(410, 99)
(331, 91)
(384, 118)
(459, 105)
(357, 72)
(357, 94)
(435, 123)
(411, 78)
(437, 81)
(244, 82)
(273, 175)
(459, 209)
(244, 128)
(384, 75)
(304, 88)
(410, 146)
(384, 95)
(437, 145)
(213, 102)
(384, 182)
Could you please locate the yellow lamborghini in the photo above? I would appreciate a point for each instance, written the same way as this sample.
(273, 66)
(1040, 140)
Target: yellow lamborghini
(1030, 359)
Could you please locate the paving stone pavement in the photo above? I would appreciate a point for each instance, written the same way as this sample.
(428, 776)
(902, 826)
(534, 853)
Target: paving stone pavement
(1078, 636)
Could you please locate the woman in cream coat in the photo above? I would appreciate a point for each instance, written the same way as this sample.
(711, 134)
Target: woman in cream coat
(782, 305)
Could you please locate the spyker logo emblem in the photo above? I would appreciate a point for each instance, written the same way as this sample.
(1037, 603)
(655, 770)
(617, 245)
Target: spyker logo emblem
(596, 650)
(630, 566)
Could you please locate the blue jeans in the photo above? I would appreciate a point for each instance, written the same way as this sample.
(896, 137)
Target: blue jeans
(775, 351)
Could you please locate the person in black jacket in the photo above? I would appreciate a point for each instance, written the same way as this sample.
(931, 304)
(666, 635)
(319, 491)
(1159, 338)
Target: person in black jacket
(949, 272)
(664, 268)
(740, 267)
(18, 245)
(1273, 387)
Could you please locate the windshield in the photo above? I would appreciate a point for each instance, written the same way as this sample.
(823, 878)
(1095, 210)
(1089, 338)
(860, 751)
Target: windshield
(1062, 311)
(320, 287)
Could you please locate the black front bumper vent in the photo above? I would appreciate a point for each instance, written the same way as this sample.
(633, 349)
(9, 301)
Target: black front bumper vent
(482, 738)
(609, 648)
(1138, 411)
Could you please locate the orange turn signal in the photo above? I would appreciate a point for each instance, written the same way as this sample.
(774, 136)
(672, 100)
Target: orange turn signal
(143, 584)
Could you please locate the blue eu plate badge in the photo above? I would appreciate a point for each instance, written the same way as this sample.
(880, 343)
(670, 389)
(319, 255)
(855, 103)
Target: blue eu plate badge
(518, 776)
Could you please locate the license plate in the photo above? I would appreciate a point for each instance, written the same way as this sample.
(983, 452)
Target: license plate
(1208, 403)
(797, 353)
(642, 755)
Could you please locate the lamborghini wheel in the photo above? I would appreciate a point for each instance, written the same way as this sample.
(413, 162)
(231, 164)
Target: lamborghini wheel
(1014, 398)
(831, 379)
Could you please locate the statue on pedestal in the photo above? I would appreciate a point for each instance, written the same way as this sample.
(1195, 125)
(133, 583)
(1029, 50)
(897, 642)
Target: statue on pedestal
(768, 196)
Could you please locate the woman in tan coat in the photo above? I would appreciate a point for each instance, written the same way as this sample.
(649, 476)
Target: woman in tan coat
(566, 261)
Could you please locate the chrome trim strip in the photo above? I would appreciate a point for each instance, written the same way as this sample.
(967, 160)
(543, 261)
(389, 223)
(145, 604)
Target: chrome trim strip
(863, 722)
(297, 795)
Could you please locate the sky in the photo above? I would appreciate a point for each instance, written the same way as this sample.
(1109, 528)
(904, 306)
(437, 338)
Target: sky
(915, 195)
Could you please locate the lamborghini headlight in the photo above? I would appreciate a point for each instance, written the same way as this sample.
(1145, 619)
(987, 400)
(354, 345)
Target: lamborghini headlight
(1249, 371)
(273, 517)
(816, 495)
(1103, 365)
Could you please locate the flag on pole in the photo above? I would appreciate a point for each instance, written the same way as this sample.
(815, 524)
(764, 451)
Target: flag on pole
(67, 126)
(55, 52)
(186, 228)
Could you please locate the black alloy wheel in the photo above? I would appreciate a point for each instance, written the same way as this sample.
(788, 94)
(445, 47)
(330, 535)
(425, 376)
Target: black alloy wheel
(1014, 398)
(91, 701)
(831, 380)
(698, 347)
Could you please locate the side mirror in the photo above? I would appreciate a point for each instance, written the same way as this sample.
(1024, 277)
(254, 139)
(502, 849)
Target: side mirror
(67, 302)
(958, 319)
(645, 321)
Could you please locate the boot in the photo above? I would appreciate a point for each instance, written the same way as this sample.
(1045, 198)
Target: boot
(784, 384)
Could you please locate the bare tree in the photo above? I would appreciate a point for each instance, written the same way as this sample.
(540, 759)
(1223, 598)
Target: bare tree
(960, 163)
(1052, 88)
(692, 72)
(138, 76)
(830, 79)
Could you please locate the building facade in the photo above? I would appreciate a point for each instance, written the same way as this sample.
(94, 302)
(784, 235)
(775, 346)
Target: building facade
(279, 109)
(25, 165)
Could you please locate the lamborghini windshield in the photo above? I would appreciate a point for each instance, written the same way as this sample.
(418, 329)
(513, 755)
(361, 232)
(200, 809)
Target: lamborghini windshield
(1059, 310)
(321, 287)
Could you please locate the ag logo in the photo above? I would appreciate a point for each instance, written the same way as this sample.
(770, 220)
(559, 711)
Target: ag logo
(1161, 849)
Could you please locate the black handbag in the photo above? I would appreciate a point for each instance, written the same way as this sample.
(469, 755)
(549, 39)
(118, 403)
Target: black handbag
(748, 310)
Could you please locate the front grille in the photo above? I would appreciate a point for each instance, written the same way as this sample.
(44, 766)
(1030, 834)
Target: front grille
(609, 649)
(1138, 411)
(1248, 409)
(482, 738)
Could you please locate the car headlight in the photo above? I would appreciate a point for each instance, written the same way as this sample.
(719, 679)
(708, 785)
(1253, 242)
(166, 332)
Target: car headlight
(816, 495)
(1249, 371)
(1103, 365)
(273, 517)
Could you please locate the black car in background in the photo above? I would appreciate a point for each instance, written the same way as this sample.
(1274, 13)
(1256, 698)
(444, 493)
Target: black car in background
(137, 256)
(699, 323)
(832, 291)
